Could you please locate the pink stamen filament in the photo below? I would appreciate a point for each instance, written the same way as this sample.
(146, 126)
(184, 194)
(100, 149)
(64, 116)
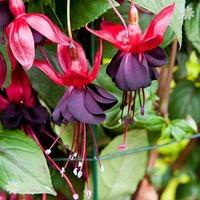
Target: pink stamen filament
(50, 136)
(95, 145)
(44, 197)
(59, 136)
(31, 132)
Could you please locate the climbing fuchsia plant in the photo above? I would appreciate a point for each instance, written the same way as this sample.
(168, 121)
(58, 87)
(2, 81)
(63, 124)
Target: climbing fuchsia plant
(29, 41)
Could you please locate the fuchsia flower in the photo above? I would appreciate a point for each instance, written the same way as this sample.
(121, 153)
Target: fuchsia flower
(134, 66)
(18, 105)
(83, 103)
(19, 108)
(22, 33)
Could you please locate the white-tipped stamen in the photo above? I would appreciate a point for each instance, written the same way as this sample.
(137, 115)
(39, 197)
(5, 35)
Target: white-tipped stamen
(80, 173)
(75, 196)
(88, 194)
(62, 171)
(102, 168)
(80, 164)
(48, 151)
(75, 171)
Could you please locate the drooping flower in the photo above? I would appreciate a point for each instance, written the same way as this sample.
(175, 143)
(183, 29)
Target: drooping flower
(20, 108)
(24, 30)
(83, 103)
(133, 68)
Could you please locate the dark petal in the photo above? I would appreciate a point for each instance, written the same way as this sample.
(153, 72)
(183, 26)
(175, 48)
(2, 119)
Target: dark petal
(153, 73)
(120, 78)
(38, 38)
(35, 115)
(132, 74)
(114, 64)
(61, 109)
(12, 116)
(57, 116)
(156, 57)
(101, 91)
(91, 104)
(100, 98)
(76, 106)
(67, 116)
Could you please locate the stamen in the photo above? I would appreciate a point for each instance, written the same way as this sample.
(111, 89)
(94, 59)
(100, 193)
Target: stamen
(88, 194)
(133, 105)
(95, 145)
(48, 151)
(124, 102)
(54, 164)
(75, 196)
(142, 102)
(80, 173)
(62, 171)
(75, 171)
(102, 168)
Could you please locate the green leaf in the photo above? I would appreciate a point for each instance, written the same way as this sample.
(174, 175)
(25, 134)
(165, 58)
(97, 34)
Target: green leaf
(23, 167)
(122, 174)
(47, 90)
(192, 27)
(185, 99)
(177, 20)
(85, 11)
(3, 50)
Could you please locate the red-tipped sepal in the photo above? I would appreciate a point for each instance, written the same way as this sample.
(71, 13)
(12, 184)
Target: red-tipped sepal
(97, 63)
(49, 71)
(21, 42)
(46, 27)
(154, 34)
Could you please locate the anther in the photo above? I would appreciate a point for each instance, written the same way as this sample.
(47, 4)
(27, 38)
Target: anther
(88, 194)
(80, 164)
(48, 151)
(75, 171)
(80, 173)
(122, 147)
(102, 168)
(62, 171)
(75, 196)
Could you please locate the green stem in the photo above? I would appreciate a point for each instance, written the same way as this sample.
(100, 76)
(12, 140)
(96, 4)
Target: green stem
(94, 163)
